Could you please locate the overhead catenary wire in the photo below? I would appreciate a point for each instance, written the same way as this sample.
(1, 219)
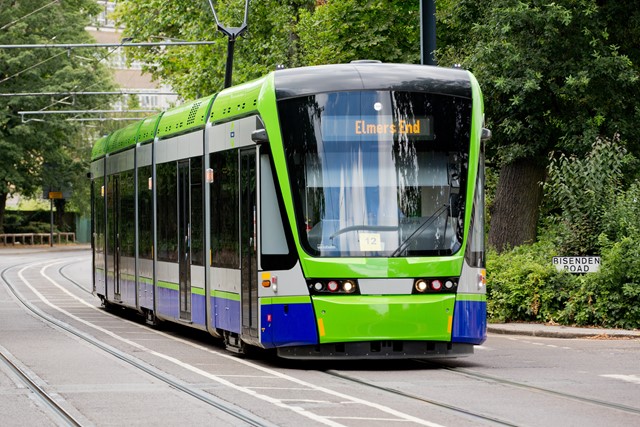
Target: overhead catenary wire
(31, 67)
(68, 46)
(4, 27)
(81, 93)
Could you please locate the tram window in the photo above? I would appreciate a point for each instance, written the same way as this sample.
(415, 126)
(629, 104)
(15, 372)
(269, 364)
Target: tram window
(111, 217)
(98, 212)
(377, 173)
(145, 212)
(275, 253)
(197, 223)
(166, 193)
(224, 210)
(476, 247)
(127, 214)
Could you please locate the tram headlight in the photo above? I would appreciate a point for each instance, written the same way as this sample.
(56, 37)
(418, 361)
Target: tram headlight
(348, 286)
(421, 285)
(430, 285)
(333, 286)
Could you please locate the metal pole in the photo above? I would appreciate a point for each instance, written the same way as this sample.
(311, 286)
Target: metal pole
(232, 33)
(428, 32)
(228, 72)
(51, 229)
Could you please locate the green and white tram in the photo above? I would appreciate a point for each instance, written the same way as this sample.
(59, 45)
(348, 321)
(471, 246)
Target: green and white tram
(328, 212)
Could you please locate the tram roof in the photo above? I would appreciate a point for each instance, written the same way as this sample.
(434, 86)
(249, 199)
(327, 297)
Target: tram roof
(184, 117)
(297, 82)
(122, 138)
(99, 147)
(289, 83)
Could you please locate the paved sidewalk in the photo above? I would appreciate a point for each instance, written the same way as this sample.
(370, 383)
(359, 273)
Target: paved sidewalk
(29, 249)
(556, 331)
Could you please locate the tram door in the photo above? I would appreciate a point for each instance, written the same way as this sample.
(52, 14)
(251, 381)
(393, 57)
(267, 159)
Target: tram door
(184, 236)
(248, 235)
(113, 229)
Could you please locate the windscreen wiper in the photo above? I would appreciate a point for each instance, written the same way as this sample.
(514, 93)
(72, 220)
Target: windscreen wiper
(419, 230)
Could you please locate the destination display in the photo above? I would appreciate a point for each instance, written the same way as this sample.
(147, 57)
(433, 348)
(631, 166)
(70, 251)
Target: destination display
(349, 128)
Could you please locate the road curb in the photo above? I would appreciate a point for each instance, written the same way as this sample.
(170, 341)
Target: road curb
(553, 331)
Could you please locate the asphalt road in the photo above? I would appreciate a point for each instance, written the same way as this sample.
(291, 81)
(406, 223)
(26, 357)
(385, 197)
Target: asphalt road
(107, 369)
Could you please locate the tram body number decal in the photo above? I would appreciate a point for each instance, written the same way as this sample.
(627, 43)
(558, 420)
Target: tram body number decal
(370, 242)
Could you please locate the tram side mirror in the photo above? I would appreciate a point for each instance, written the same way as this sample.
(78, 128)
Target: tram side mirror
(486, 135)
(259, 136)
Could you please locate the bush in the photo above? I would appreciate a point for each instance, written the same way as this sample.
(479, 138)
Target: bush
(12, 222)
(618, 284)
(584, 189)
(591, 214)
(523, 285)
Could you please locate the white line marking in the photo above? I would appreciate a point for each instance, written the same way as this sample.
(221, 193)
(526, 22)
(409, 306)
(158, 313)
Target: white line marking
(274, 401)
(628, 378)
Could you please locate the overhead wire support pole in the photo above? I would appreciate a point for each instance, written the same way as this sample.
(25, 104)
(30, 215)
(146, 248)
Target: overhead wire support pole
(232, 33)
(428, 32)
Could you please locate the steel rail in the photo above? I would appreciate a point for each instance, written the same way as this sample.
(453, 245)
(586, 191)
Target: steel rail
(39, 392)
(453, 408)
(479, 376)
(209, 399)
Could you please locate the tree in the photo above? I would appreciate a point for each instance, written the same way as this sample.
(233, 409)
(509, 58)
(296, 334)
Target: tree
(195, 71)
(554, 80)
(27, 145)
(343, 31)
(288, 33)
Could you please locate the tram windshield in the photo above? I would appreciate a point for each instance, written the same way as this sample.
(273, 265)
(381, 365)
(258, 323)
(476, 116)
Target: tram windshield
(377, 173)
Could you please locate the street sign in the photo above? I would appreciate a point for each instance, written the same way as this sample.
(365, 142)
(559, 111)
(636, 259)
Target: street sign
(577, 264)
(55, 195)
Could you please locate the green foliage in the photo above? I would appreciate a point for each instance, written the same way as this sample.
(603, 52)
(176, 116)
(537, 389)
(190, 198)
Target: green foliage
(195, 71)
(584, 189)
(617, 287)
(622, 220)
(289, 33)
(343, 31)
(524, 286)
(552, 76)
(27, 145)
(27, 222)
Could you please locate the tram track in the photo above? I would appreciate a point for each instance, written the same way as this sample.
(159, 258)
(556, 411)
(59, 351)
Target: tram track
(473, 416)
(171, 381)
(282, 402)
(528, 387)
(476, 416)
(47, 401)
(78, 285)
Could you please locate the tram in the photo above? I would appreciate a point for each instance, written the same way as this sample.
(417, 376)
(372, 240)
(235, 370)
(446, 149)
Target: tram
(326, 212)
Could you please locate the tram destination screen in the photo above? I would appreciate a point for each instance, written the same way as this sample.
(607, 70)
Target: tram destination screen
(376, 128)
